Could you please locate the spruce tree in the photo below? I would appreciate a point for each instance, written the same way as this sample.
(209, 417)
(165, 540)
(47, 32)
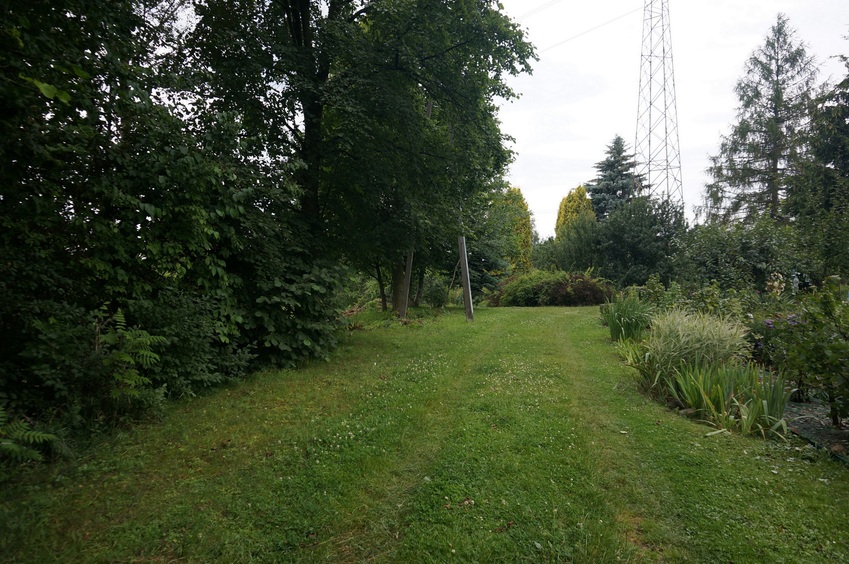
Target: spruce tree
(616, 182)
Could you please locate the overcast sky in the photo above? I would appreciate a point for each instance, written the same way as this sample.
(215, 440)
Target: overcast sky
(584, 91)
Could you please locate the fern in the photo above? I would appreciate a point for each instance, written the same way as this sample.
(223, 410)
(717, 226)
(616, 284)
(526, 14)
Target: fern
(123, 349)
(17, 439)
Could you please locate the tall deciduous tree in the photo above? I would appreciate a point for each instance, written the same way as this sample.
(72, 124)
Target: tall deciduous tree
(751, 170)
(818, 197)
(616, 183)
(385, 107)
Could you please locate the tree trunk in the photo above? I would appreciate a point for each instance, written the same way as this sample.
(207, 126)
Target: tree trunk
(419, 288)
(382, 287)
(398, 286)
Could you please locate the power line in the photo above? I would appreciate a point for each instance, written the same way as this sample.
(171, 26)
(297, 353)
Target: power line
(583, 33)
(539, 9)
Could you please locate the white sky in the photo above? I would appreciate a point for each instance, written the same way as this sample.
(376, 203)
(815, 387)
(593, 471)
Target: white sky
(584, 92)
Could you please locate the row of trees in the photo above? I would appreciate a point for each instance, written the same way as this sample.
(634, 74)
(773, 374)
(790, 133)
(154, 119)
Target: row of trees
(185, 183)
(609, 228)
(778, 201)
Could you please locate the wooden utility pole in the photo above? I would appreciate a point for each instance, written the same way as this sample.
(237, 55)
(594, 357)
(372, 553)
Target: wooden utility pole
(407, 281)
(467, 285)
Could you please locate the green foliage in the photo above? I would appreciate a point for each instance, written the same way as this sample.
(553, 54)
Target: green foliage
(680, 338)
(547, 288)
(818, 196)
(616, 183)
(742, 256)
(149, 166)
(122, 349)
(577, 244)
(435, 292)
(811, 344)
(543, 253)
(19, 441)
(193, 355)
(755, 160)
(519, 220)
(627, 317)
(639, 238)
(572, 205)
(733, 396)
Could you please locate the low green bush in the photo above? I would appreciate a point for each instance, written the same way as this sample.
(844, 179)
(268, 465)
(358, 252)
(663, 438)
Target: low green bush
(679, 338)
(626, 317)
(809, 340)
(435, 291)
(552, 288)
(194, 354)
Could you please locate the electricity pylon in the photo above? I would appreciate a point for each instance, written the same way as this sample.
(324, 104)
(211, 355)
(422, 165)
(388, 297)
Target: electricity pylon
(658, 156)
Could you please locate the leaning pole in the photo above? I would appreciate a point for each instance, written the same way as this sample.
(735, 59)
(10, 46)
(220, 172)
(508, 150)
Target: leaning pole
(464, 273)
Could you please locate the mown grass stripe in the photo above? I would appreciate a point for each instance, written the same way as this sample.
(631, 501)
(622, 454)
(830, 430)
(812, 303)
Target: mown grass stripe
(519, 437)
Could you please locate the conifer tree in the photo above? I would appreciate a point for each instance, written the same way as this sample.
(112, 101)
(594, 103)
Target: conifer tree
(521, 226)
(572, 205)
(616, 182)
(751, 171)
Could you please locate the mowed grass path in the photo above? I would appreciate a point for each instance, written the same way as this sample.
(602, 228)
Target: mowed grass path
(519, 437)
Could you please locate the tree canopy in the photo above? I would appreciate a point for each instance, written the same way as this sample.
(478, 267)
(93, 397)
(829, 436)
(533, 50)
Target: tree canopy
(755, 160)
(184, 182)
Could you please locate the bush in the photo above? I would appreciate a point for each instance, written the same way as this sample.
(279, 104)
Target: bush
(435, 292)
(546, 288)
(627, 317)
(679, 338)
(811, 344)
(194, 353)
(19, 441)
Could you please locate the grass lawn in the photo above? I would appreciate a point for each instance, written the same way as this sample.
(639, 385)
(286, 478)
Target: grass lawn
(519, 437)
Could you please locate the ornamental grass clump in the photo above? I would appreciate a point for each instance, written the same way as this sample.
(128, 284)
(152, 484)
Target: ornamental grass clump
(679, 338)
(733, 396)
(626, 317)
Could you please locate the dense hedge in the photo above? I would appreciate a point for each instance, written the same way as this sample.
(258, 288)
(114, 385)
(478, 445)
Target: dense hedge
(546, 288)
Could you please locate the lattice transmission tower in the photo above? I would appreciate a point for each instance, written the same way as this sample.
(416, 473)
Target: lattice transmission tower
(658, 156)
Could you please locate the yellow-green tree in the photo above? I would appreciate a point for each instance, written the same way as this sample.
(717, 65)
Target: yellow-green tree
(519, 217)
(572, 206)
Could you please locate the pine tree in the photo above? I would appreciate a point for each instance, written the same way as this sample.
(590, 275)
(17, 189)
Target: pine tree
(616, 182)
(751, 170)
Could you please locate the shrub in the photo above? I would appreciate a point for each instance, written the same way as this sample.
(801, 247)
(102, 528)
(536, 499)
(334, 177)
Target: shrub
(626, 317)
(435, 291)
(546, 288)
(681, 338)
(812, 345)
(194, 353)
